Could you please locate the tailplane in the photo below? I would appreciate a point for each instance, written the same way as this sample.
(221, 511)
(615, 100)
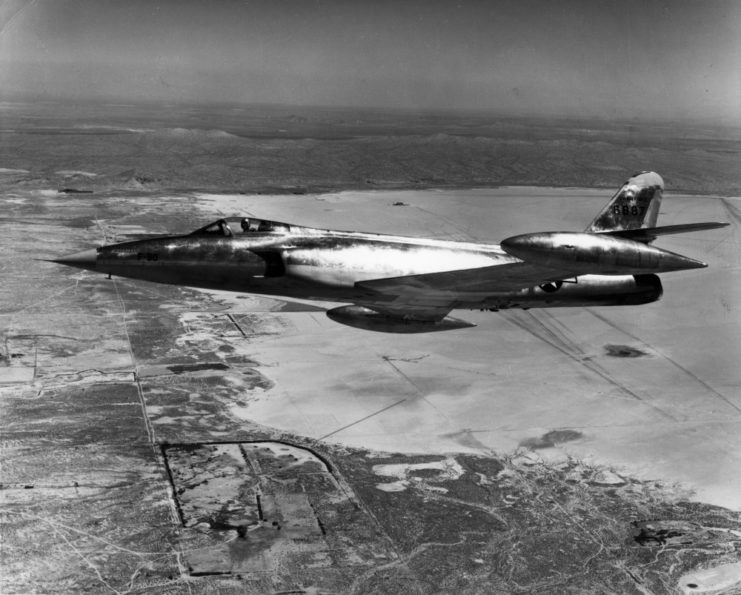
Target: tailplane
(649, 234)
(634, 206)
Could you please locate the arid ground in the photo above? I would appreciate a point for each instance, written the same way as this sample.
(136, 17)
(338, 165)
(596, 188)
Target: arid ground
(164, 439)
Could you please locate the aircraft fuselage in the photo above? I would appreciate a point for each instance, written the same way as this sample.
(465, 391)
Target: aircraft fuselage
(407, 284)
(323, 267)
(328, 266)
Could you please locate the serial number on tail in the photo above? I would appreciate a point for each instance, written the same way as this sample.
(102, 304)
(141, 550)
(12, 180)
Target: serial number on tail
(628, 210)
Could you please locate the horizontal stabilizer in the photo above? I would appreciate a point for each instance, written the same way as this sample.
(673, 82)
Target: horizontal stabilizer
(649, 234)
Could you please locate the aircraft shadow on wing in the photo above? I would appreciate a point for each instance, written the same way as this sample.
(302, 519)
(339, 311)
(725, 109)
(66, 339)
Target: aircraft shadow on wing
(410, 285)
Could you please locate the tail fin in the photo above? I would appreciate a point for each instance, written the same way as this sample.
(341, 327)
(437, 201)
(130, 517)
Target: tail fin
(635, 206)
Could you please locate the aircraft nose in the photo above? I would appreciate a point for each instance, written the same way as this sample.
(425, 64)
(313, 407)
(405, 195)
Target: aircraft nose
(86, 259)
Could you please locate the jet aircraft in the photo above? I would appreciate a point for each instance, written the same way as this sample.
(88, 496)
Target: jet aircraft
(409, 285)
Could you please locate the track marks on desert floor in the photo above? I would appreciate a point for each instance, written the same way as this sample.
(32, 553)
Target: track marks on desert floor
(689, 375)
(545, 326)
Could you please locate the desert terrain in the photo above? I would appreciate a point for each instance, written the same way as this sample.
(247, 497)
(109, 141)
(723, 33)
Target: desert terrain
(164, 439)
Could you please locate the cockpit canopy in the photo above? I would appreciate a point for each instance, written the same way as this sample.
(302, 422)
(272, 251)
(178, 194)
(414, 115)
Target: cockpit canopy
(227, 228)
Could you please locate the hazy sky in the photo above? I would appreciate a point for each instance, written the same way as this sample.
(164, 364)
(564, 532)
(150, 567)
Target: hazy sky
(619, 58)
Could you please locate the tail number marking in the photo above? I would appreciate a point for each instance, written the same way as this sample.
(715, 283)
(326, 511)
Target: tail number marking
(628, 210)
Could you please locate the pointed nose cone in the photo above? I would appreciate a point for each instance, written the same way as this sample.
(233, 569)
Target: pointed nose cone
(87, 259)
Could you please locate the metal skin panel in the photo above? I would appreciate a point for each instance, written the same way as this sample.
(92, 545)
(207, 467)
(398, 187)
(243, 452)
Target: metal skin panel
(403, 284)
(352, 262)
(600, 253)
(326, 267)
(370, 320)
(200, 262)
(594, 290)
(331, 265)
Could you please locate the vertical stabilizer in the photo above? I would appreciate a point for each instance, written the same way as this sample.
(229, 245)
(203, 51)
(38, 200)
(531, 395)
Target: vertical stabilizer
(635, 206)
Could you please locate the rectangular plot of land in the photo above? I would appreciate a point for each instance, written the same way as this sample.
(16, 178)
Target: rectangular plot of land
(267, 507)
(249, 501)
(79, 413)
(214, 486)
(293, 515)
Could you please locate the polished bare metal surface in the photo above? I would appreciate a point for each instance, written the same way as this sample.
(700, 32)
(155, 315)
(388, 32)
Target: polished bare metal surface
(606, 254)
(404, 284)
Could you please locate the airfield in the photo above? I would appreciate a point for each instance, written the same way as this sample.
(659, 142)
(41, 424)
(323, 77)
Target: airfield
(166, 439)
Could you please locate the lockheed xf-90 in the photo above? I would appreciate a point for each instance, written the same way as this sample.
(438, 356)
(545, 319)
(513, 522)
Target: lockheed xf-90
(407, 285)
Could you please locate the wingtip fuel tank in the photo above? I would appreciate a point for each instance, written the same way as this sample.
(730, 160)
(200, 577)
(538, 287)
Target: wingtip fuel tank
(371, 320)
(595, 253)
